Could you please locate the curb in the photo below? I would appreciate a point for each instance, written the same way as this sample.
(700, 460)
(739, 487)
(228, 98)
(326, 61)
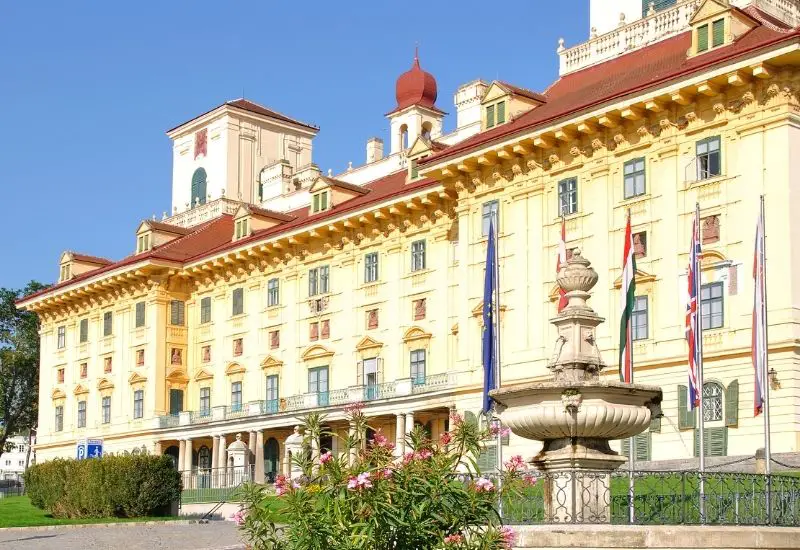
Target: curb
(110, 524)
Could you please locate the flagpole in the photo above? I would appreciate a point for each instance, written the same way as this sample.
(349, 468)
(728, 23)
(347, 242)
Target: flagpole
(497, 376)
(765, 375)
(699, 348)
(632, 439)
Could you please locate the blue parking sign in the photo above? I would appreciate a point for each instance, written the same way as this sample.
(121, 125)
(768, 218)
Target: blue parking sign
(81, 450)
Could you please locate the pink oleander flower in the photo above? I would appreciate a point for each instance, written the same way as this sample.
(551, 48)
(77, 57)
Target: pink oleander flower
(445, 438)
(515, 464)
(509, 536)
(484, 485)
(386, 473)
(409, 457)
(529, 479)
(239, 517)
(281, 485)
(325, 458)
(497, 429)
(424, 454)
(380, 440)
(456, 418)
(361, 481)
(296, 485)
(354, 408)
(455, 538)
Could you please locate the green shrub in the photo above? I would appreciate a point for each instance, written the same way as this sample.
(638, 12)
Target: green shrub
(114, 486)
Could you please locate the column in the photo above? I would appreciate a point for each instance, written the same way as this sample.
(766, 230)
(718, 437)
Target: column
(188, 480)
(409, 422)
(251, 444)
(157, 448)
(181, 454)
(399, 435)
(222, 461)
(215, 461)
(259, 472)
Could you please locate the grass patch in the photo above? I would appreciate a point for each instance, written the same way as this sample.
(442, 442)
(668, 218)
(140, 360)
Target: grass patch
(19, 512)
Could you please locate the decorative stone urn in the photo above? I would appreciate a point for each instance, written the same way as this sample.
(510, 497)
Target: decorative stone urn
(294, 447)
(576, 414)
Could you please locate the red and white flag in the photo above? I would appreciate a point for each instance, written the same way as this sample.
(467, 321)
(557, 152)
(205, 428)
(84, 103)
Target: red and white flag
(561, 260)
(628, 297)
(759, 344)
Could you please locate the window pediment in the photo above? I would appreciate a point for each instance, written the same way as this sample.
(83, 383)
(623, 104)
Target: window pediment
(104, 384)
(58, 394)
(203, 375)
(271, 362)
(641, 277)
(316, 351)
(234, 368)
(136, 378)
(80, 390)
(177, 375)
(416, 333)
(368, 343)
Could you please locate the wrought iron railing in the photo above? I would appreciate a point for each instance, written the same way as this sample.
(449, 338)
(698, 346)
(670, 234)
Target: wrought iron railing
(380, 391)
(213, 484)
(658, 498)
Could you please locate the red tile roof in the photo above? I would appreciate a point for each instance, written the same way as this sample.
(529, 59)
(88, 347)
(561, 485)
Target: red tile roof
(167, 227)
(272, 214)
(524, 92)
(247, 105)
(333, 182)
(631, 73)
(78, 257)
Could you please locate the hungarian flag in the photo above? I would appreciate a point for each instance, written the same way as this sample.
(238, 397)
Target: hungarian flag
(561, 260)
(627, 295)
(759, 346)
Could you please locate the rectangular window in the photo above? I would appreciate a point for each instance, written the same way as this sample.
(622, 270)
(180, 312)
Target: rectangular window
(324, 278)
(490, 116)
(272, 394)
(84, 331)
(313, 331)
(242, 228)
(81, 414)
(567, 196)
(371, 267)
(319, 202)
(318, 383)
(139, 314)
(634, 178)
(273, 293)
(639, 326)
(205, 401)
(325, 328)
(106, 410)
(238, 301)
(205, 310)
(718, 33)
(489, 213)
(62, 337)
(177, 313)
(59, 420)
(236, 396)
(138, 404)
(371, 378)
(313, 282)
(274, 339)
(708, 158)
(318, 280)
(417, 255)
(501, 112)
(712, 301)
(418, 366)
(175, 402)
(702, 38)
(108, 323)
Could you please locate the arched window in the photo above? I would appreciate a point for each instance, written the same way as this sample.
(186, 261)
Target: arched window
(712, 402)
(403, 137)
(199, 186)
(204, 458)
(426, 130)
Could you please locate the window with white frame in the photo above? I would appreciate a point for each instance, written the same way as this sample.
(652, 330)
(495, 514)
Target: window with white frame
(273, 292)
(205, 401)
(489, 213)
(639, 324)
(62, 337)
(712, 305)
(205, 310)
(106, 409)
(418, 366)
(709, 160)
(82, 414)
(319, 202)
(418, 255)
(567, 196)
(59, 418)
(371, 267)
(138, 404)
(177, 313)
(237, 301)
(83, 331)
(236, 396)
(634, 178)
(318, 280)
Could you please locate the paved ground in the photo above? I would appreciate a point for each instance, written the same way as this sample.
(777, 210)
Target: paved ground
(216, 535)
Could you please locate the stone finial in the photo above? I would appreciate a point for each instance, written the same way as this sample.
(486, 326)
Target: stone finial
(561, 47)
(174, 209)
(651, 9)
(349, 165)
(622, 19)
(153, 217)
(577, 275)
(330, 172)
(163, 215)
(593, 33)
(222, 194)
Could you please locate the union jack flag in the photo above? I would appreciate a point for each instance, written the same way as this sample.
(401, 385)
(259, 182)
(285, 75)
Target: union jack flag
(693, 318)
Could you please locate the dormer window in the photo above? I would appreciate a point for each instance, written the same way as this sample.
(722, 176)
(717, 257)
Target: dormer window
(66, 272)
(143, 243)
(319, 202)
(242, 228)
(717, 38)
(495, 114)
(716, 24)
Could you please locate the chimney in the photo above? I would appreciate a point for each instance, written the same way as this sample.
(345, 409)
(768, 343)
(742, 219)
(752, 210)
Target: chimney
(468, 102)
(374, 149)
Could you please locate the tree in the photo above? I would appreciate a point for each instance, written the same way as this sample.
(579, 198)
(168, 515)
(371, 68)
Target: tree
(19, 363)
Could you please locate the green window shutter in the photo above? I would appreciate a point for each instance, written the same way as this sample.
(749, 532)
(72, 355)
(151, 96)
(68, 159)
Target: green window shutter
(414, 169)
(501, 112)
(490, 116)
(655, 424)
(717, 441)
(732, 404)
(686, 419)
(626, 447)
(702, 38)
(487, 460)
(642, 442)
(718, 33)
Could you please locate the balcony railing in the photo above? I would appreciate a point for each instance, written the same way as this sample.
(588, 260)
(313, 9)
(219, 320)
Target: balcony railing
(296, 403)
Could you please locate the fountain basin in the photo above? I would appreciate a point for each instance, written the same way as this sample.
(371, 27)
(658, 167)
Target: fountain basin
(593, 410)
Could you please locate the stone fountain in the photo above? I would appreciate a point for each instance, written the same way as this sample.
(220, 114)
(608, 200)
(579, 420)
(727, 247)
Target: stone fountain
(577, 414)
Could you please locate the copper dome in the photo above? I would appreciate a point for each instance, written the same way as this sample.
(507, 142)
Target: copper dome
(415, 87)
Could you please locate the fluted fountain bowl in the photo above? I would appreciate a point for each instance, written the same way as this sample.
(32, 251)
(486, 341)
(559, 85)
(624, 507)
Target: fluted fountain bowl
(597, 410)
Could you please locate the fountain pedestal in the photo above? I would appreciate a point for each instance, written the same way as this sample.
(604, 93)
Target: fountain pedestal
(576, 414)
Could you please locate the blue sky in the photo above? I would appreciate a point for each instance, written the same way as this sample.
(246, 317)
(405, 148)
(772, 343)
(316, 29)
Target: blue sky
(87, 90)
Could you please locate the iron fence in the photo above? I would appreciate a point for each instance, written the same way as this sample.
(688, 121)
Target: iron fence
(213, 484)
(656, 498)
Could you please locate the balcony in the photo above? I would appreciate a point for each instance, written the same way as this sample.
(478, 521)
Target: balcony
(315, 400)
(203, 212)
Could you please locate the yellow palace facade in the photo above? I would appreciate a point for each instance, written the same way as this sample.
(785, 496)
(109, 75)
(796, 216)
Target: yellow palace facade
(272, 289)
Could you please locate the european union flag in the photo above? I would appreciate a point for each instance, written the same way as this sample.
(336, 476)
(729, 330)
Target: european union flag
(489, 336)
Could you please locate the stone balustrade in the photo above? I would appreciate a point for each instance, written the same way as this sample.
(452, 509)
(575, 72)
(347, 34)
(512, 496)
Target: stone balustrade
(204, 212)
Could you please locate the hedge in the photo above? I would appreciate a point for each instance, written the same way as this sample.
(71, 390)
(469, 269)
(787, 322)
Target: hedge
(113, 486)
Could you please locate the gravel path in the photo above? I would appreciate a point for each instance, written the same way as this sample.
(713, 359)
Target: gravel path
(216, 535)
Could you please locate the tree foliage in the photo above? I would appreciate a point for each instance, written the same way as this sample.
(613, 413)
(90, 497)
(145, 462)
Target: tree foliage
(432, 498)
(19, 363)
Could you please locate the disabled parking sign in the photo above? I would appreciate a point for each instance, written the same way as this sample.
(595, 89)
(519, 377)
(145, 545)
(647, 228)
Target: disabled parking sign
(89, 448)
